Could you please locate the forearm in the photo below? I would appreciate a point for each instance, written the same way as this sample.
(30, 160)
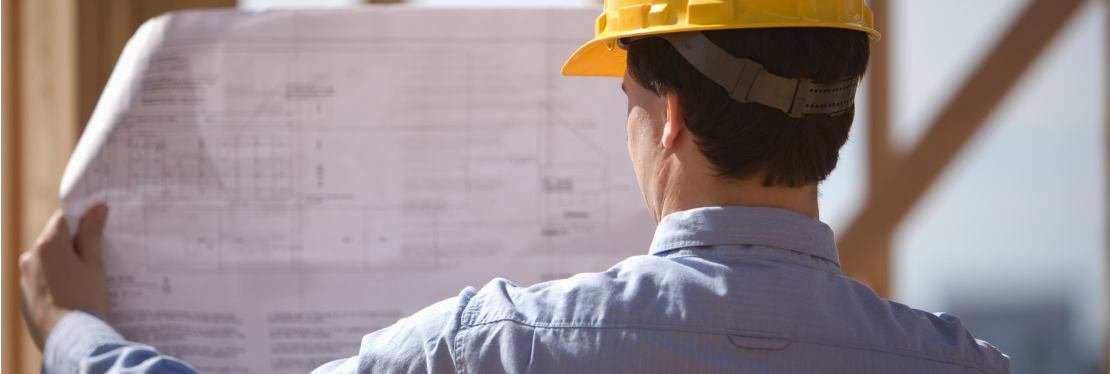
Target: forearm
(83, 343)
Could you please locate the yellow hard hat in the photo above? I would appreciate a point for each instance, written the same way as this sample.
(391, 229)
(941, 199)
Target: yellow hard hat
(633, 18)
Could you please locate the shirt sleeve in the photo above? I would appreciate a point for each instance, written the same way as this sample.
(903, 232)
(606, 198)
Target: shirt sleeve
(422, 343)
(84, 343)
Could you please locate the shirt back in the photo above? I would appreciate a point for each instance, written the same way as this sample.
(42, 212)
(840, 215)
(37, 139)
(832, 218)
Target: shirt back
(724, 289)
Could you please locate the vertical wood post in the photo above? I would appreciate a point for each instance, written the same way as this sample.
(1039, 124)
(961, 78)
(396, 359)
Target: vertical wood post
(47, 127)
(880, 159)
(11, 321)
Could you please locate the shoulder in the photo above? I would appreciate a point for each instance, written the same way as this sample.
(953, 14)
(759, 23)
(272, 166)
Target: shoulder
(940, 335)
(638, 289)
(431, 336)
(422, 342)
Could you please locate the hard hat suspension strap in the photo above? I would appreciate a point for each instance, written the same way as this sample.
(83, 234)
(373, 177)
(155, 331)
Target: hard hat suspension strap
(747, 81)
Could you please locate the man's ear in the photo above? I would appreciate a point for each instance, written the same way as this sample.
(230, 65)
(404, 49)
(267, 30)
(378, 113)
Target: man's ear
(676, 119)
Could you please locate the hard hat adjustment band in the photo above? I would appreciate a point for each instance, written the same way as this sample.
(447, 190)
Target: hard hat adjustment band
(747, 81)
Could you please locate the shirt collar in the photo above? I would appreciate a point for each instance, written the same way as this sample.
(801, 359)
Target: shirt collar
(768, 227)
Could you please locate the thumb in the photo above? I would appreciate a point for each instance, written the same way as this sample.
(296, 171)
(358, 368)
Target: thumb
(89, 233)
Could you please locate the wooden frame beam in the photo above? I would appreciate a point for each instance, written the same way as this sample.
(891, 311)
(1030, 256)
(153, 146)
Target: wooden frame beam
(11, 322)
(880, 158)
(900, 182)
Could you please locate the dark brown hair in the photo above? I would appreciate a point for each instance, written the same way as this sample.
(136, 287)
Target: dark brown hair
(742, 139)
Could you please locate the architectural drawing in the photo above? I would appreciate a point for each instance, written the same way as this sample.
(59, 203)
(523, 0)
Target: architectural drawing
(258, 163)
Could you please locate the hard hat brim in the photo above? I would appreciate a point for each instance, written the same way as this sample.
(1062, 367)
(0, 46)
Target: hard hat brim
(601, 58)
(595, 59)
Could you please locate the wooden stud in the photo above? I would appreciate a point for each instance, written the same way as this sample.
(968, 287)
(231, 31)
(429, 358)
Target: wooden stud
(880, 159)
(11, 320)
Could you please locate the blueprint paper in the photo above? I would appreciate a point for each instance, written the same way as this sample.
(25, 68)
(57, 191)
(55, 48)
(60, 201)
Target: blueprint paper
(283, 183)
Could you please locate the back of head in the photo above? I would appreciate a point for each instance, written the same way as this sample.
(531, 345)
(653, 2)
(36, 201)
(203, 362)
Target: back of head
(742, 139)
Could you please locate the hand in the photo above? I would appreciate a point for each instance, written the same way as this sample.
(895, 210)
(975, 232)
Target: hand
(60, 274)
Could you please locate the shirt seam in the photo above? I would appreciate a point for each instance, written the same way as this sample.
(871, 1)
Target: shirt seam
(722, 215)
(816, 238)
(466, 318)
(460, 350)
(764, 257)
(809, 228)
(686, 243)
(798, 338)
(703, 237)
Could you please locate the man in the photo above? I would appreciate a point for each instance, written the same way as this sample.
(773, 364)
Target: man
(736, 111)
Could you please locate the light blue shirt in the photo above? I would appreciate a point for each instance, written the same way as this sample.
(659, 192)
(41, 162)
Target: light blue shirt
(732, 289)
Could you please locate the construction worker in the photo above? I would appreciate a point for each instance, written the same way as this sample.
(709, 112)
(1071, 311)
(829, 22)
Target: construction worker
(737, 109)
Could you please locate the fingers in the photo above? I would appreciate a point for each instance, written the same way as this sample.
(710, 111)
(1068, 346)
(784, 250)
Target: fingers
(56, 230)
(32, 292)
(59, 276)
(90, 232)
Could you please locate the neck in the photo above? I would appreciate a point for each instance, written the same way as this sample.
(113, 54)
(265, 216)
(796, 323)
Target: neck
(685, 186)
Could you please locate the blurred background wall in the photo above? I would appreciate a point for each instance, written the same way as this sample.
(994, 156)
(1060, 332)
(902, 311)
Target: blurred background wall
(975, 182)
(1011, 237)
